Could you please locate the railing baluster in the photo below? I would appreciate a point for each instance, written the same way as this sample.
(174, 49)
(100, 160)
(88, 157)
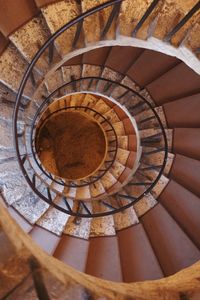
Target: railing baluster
(108, 205)
(131, 198)
(32, 77)
(51, 52)
(182, 22)
(49, 194)
(34, 180)
(149, 10)
(67, 204)
(140, 183)
(86, 208)
(146, 120)
(113, 15)
(77, 34)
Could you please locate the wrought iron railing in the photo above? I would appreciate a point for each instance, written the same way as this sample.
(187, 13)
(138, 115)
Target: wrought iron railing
(130, 98)
(108, 162)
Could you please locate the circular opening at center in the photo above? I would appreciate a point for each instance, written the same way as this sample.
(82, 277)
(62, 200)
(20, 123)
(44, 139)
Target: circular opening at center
(71, 145)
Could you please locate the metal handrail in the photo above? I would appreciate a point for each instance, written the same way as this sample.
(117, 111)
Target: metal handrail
(150, 185)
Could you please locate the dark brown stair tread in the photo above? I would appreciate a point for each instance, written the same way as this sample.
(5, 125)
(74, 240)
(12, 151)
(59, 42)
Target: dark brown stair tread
(103, 258)
(132, 143)
(186, 141)
(172, 246)
(149, 66)
(96, 56)
(183, 112)
(184, 207)
(20, 220)
(186, 172)
(126, 54)
(76, 60)
(41, 3)
(138, 260)
(11, 19)
(179, 82)
(47, 240)
(3, 43)
(72, 251)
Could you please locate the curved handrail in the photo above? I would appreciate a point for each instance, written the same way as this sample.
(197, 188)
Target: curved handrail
(16, 110)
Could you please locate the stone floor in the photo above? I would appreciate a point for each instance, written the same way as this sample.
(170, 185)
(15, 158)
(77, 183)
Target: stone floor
(71, 145)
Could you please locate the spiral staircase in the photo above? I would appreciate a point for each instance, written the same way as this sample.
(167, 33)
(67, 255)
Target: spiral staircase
(99, 154)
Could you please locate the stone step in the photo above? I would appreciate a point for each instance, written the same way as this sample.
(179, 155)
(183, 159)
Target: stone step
(157, 159)
(53, 219)
(101, 226)
(47, 240)
(57, 15)
(13, 183)
(29, 38)
(125, 218)
(147, 118)
(77, 226)
(72, 251)
(12, 69)
(154, 137)
(97, 21)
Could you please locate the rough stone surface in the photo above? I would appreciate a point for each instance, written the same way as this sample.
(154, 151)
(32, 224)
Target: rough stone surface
(158, 159)
(6, 95)
(153, 122)
(108, 180)
(183, 33)
(131, 13)
(54, 220)
(130, 83)
(101, 107)
(29, 39)
(73, 138)
(30, 207)
(159, 187)
(12, 182)
(57, 15)
(77, 99)
(110, 74)
(112, 116)
(97, 189)
(122, 141)
(151, 175)
(69, 71)
(97, 21)
(125, 218)
(79, 227)
(6, 138)
(90, 71)
(144, 204)
(192, 40)
(122, 156)
(117, 169)
(55, 81)
(12, 69)
(148, 26)
(171, 13)
(101, 226)
(152, 131)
